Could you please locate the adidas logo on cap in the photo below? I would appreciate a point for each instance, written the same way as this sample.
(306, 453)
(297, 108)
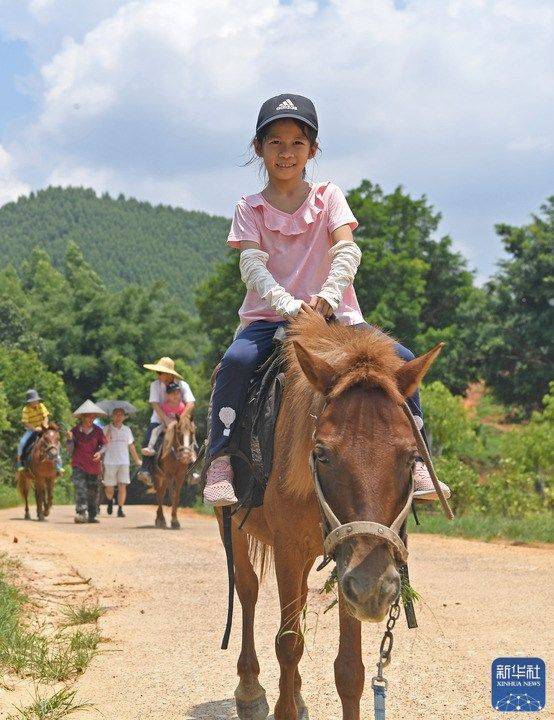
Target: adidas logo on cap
(286, 105)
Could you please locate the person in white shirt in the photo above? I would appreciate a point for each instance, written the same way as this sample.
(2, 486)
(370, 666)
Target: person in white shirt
(116, 460)
(165, 370)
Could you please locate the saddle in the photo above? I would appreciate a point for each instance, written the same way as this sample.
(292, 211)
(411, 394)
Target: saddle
(251, 443)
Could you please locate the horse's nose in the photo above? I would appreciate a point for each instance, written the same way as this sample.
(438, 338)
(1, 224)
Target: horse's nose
(371, 597)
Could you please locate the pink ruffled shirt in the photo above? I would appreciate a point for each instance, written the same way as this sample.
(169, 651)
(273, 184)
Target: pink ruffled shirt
(298, 246)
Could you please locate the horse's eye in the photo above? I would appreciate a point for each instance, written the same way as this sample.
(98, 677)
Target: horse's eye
(321, 454)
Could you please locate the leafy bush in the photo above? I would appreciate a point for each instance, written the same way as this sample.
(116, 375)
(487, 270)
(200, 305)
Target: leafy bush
(449, 428)
(510, 492)
(463, 481)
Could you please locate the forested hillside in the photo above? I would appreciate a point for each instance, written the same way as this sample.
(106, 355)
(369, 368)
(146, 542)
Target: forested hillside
(124, 240)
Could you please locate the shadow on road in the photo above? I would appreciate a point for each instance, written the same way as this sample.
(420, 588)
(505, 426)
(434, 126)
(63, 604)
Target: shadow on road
(216, 710)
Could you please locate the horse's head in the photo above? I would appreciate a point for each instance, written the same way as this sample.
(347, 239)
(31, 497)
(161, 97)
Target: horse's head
(363, 448)
(183, 441)
(48, 446)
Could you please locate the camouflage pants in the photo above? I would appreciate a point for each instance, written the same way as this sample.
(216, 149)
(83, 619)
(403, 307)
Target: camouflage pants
(86, 491)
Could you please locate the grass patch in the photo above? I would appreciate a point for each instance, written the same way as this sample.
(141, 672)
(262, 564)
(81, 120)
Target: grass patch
(82, 615)
(202, 509)
(47, 657)
(10, 497)
(55, 707)
(534, 528)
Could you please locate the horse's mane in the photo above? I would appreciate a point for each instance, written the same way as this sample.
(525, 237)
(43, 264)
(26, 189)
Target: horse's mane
(185, 424)
(363, 357)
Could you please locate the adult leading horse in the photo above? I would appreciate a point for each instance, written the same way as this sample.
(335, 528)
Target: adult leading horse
(343, 400)
(41, 472)
(177, 453)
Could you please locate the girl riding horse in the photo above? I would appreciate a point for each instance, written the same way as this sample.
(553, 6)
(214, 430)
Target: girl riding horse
(297, 253)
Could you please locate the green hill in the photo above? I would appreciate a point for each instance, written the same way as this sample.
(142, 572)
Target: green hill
(124, 240)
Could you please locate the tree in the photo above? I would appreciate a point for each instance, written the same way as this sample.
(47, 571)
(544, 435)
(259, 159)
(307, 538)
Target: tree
(218, 299)
(518, 365)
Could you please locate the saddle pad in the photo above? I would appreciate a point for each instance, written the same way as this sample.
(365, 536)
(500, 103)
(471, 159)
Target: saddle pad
(252, 442)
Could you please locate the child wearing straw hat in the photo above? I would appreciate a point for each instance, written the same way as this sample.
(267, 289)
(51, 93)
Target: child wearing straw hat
(86, 444)
(165, 370)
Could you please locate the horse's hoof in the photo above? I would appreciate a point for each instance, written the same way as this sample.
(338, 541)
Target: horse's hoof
(161, 524)
(27, 516)
(175, 525)
(257, 709)
(47, 512)
(40, 517)
(301, 708)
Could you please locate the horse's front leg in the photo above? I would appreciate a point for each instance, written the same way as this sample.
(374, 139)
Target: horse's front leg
(49, 496)
(160, 484)
(349, 668)
(39, 497)
(291, 567)
(175, 496)
(250, 696)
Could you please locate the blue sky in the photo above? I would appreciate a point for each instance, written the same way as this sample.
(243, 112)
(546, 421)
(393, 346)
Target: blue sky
(157, 99)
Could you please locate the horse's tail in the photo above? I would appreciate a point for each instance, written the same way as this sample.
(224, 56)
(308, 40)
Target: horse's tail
(261, 556)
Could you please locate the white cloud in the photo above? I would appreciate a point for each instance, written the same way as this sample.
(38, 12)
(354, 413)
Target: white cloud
(10, 186)
(159, 97)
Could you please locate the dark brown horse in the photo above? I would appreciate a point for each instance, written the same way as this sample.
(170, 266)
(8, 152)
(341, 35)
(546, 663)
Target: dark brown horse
(345, 389)
(41, 472)
(178, 452)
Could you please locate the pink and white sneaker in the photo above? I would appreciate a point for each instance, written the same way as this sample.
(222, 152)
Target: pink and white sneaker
(424, 488)
(219, 483)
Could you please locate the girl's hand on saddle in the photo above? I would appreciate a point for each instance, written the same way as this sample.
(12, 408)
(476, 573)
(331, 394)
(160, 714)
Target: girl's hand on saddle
(69, 435)
(321, 306)
(96, 457)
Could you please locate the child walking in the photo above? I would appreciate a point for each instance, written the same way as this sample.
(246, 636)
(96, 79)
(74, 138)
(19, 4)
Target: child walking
(296, 252)
(35, 417)
(116, 460)
(86, 445)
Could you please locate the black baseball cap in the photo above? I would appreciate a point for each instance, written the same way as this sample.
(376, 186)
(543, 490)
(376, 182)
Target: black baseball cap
(286, 105)
(172, 387)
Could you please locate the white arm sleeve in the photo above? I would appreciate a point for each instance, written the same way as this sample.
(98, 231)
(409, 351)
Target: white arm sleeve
(346, 259)
(256, 276)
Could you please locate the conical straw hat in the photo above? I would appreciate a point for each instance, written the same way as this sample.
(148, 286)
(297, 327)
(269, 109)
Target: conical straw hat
(164, 365)
(89, 408)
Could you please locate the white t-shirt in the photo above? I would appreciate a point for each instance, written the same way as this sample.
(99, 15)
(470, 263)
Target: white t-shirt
(158, 395)
(117, 449)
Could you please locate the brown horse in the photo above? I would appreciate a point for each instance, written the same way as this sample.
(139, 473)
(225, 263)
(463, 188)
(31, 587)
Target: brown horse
(41, 473)
(178, 452)
(345, 389)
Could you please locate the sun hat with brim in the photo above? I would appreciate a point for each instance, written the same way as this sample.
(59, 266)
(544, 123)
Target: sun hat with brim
(164, 365)
(108, 406)
(89, 408)
(32, 396)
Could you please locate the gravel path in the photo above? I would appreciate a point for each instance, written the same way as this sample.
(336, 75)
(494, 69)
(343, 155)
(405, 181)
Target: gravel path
(166, 594)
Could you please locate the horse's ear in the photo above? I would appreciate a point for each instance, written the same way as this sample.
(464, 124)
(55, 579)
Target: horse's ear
(318, 371)
(410, 375)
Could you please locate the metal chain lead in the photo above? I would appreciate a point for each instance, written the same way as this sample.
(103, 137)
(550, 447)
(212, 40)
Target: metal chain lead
(387, 642)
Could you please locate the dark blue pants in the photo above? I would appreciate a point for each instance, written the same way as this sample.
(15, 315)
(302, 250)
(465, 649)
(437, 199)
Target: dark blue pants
(251, 347)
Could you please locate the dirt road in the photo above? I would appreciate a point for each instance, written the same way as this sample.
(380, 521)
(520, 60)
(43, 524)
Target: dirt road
(166, 594)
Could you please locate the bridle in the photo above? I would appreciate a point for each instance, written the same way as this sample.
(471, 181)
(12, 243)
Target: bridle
(53, 447)
(178, 449)
(394, 536)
